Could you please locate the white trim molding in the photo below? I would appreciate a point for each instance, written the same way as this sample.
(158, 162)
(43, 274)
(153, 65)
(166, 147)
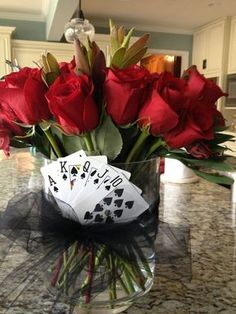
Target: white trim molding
(5, 48)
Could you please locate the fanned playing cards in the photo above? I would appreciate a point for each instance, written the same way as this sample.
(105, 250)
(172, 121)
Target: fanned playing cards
(95, 191)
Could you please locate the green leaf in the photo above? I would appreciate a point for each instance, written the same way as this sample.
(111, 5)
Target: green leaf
(137, 46)
(214, 178)
(118, 56)
(72, 143)
(121, 34)
(126, 41)
(221, 138)
(221, 128)
(211, 164)
(18, 143)
(53, 64)
(114, 42)
(134, 59)
(205, 163)
(108, 139)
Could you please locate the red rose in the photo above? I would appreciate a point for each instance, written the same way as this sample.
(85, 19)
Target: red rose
(7, 130)
(197, 113)
(200, 150)
(157, 114)
(23, 93)
(67, 67)
(172, 90)
(124, 93)
(71, 102)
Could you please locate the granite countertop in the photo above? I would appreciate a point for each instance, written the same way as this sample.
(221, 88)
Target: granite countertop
(202, 282)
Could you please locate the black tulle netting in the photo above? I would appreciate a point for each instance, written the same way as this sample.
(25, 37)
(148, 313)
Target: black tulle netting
(74, 264)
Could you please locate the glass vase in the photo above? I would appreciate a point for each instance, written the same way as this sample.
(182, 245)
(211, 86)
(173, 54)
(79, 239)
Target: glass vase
(106, 271)
(146, 176)
(105, 276)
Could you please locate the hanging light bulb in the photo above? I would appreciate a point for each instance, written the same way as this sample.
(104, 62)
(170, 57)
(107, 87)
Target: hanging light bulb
(79, 28)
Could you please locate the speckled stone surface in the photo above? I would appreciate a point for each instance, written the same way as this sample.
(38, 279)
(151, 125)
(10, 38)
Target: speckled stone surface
(203, 281)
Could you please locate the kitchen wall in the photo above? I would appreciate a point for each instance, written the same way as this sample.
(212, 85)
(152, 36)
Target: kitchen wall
(166, 41)
(28, 30)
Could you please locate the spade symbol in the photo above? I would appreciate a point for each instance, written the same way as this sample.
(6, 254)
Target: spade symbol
(98, 218)
(64, 177)
(119, 192)
(109, 220)
(88, 216)
(96, 181)
(55, 189)
(107, 200)
(93, 173)
(74, 171)
(98, 208)
(118, 213)
(118, 203)
(107, 187)
(82, 175)
(129, 204)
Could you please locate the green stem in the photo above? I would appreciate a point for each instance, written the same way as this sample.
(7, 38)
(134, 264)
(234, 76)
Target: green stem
(53, 142)
(67, 261)
(158, 143)
(88, 142)
(65, 273)
(111, 277)
(91, 260)
(137, 146)
(128, 280)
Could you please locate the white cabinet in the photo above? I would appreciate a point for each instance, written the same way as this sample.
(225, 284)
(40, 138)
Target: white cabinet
(209, 48)
(232, 48)
(5, 48)
(28, 52)
(199, 50)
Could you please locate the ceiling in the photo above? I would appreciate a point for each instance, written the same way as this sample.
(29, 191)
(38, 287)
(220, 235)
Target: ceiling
(175, 16)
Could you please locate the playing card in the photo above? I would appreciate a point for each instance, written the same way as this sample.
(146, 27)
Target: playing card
(127, 174)
(95, 191)
(50, 176)
(72, 164)
(122, 205)
(83, 184)
(100, 181)
(52, 183)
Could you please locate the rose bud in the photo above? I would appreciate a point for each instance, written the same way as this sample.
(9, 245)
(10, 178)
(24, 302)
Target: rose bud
(71, 102)
(124, 91)
(200, 150)
(23, 93)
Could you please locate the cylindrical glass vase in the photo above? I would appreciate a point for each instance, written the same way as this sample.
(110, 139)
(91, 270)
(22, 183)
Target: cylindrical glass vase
(106, 272)
(146, 176)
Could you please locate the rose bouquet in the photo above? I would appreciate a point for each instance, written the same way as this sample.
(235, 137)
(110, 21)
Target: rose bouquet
(117, 109)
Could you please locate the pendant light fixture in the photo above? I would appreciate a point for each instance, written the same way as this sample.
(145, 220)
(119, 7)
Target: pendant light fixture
(79, 27)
